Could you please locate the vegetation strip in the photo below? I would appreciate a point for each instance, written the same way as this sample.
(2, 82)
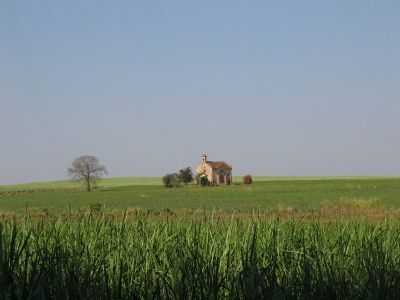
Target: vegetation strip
(96, 258)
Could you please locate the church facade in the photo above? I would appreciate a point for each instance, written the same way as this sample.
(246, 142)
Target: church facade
(217, 172)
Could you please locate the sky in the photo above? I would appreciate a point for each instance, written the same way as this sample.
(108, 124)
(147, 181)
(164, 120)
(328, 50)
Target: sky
(275, 88)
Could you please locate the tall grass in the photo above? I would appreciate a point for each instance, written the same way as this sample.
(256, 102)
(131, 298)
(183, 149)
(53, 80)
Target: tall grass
(96, 258)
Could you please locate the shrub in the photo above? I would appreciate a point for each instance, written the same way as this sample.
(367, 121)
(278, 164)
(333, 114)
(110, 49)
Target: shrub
(171, 180)
(204, 181)
(185, 175)
(247, 179)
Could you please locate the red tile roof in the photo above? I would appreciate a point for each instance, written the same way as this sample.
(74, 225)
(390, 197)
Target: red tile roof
(219, 165)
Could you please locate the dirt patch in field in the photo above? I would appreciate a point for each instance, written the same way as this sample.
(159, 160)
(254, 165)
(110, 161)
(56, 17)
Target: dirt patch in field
(15, 193)
(20, 193)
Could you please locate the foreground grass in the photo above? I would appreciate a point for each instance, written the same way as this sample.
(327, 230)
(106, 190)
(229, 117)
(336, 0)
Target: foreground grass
(210, 258)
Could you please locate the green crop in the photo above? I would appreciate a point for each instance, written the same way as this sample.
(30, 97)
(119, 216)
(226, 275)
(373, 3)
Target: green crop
(209, 258)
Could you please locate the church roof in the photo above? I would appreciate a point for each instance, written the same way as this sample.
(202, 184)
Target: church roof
(219, 165)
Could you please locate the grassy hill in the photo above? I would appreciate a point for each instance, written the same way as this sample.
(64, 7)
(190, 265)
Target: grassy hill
(68, 184)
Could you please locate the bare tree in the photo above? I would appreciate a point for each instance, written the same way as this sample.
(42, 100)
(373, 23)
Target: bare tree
(88, 170)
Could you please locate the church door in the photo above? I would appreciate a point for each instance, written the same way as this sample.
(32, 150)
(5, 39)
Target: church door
(222, 179)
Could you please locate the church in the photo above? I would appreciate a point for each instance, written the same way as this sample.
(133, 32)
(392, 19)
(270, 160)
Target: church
(217, 172)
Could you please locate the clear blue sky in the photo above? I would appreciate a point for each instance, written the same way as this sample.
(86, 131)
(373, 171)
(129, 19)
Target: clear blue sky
(272, 87)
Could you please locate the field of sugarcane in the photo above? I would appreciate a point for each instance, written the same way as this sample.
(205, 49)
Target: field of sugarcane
(208, 257)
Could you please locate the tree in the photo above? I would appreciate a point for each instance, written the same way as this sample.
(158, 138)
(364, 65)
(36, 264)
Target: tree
(186, 175)
(88, 170)
(171, 180)
(204, 181)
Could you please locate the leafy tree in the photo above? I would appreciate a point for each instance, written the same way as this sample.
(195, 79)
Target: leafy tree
(171, 180)
(186, 175)
(204, 181)
(87, 169)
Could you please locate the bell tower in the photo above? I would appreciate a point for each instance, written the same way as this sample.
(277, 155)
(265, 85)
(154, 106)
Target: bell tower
(204, 157)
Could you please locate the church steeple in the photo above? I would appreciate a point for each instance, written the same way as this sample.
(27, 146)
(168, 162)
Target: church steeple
(204, 157)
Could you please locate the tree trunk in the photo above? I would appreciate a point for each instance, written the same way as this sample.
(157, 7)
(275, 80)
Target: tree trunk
(88, 187)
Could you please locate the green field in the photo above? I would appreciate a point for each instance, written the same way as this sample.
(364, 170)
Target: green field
(104, 183)
(130, 181)
(132, 238)
(266, 193)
